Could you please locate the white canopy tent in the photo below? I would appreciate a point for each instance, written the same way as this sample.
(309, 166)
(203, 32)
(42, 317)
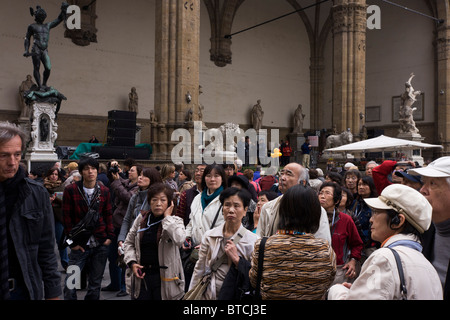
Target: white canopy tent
(381, 144)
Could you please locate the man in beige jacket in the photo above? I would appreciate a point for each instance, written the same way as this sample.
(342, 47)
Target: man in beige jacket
(291, 175)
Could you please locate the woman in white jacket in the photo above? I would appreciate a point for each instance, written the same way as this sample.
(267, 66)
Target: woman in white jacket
(399, 216)
(206, 210)
(152, 250)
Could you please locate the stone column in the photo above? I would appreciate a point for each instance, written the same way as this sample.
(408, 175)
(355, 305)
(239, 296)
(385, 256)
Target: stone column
(176, 67)
(349, 41)
(443, 79)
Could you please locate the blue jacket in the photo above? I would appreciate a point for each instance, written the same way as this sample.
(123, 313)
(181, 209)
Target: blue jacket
(32, 230)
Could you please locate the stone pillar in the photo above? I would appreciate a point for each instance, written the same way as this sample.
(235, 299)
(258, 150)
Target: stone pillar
(176, 68)
(317, 93)
(443, 79)
(349, 40)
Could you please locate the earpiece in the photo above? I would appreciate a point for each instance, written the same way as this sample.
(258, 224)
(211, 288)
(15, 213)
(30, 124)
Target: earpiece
(395, 220)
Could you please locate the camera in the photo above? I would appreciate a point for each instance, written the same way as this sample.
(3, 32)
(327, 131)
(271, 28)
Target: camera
(114, 169)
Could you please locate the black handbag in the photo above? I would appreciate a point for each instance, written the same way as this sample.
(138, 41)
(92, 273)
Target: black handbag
(236, 285)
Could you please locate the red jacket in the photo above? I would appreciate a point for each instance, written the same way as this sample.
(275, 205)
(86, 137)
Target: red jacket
(380, 174)
(344, 236)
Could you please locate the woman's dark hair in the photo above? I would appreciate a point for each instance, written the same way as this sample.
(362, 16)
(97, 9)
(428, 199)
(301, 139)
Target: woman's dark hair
(392, 219)
(188, 174)
(87, 161)
(51, 170)
(152, 174)
(269, 194)
(352, 172)
(334, 176)
(337, 191)
(313, 174)
(156, 188)
(300, 210)
(369, 181)
(219, 169)
(350, 199)
(243, 194)
(138, 168)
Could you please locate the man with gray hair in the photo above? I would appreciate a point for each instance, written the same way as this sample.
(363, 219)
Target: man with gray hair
(291, 175)
(369, 166)
(28, 263)
(436, 244)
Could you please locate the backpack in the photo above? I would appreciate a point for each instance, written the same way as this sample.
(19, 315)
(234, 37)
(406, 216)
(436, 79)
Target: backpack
(267, 182)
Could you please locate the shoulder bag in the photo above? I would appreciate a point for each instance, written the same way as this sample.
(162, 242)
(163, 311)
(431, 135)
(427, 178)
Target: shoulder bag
(82, 231)
(196, 293)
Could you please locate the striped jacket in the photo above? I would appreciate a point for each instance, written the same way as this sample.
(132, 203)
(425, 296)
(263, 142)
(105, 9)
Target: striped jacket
(296, 267)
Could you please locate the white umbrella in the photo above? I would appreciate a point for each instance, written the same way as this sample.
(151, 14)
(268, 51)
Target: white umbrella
(383, 143)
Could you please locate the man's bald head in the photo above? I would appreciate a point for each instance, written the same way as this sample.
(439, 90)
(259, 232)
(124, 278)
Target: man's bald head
(291, 175)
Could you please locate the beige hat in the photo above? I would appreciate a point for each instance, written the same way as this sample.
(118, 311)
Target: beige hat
(407, 201)
(71, 166)
(439, 168)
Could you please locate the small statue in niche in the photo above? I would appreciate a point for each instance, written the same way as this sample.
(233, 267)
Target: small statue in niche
(152, 116)
(133, 100)
(189, 115)
(44, 129)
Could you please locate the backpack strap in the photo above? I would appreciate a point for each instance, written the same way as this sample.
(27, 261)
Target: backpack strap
(262, 246)
(215, 218)
(403, 290)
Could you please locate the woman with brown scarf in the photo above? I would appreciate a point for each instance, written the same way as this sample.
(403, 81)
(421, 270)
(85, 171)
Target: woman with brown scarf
(54, 185)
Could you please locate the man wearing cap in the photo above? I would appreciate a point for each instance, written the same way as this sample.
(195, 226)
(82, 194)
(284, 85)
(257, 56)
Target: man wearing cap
(436, 188)
(74, 174)
(397, 223)
(291, 175)
(413, 181)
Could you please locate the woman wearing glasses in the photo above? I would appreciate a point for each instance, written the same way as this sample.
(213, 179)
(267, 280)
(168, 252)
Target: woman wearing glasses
(152, 249)
(226, 248)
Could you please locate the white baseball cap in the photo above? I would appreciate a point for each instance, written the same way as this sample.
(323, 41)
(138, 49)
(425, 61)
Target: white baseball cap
(407, 201)
(439, 168)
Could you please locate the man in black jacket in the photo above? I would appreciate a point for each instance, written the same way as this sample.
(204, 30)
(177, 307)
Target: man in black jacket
(28, 263)
(436, 244)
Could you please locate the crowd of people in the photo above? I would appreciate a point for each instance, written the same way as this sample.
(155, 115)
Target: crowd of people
(224, 233)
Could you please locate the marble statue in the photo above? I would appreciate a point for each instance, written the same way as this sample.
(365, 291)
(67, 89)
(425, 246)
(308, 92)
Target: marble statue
(133, 100)
(406, 112)
(334, 141)
(25, 86)
(257, 116)
(298, 119)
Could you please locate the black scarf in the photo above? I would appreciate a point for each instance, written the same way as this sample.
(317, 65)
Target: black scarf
(8, 198)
